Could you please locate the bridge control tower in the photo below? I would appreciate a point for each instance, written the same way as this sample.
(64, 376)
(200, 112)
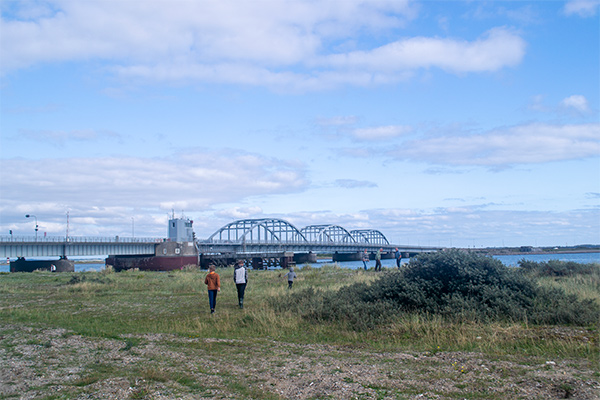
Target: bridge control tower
(180, 230)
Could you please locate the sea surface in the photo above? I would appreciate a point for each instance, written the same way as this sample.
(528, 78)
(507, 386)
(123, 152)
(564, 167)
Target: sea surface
(508, 260)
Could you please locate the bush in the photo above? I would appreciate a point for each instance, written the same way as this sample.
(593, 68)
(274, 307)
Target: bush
(557, 268)
(461, 286)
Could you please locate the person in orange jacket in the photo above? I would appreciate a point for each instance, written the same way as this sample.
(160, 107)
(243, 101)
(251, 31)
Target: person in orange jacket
(213, 281)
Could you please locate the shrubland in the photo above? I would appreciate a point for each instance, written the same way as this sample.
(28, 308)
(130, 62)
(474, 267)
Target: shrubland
(457, 286)
(451, 324)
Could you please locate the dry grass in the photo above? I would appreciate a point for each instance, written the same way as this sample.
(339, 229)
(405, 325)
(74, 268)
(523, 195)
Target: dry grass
(137, 334)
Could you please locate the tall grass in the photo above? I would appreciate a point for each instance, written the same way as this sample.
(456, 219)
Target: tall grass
(119, 304)
(583, 286)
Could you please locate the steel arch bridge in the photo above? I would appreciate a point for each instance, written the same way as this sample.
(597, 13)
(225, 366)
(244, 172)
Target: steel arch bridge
(327, 233)
(258, 231)
(273, 230)
(371, 236)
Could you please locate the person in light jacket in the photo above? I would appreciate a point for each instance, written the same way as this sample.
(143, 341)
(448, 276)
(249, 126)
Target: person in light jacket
(213, 281)
(240, 277)
(365, 259)
(290, 276)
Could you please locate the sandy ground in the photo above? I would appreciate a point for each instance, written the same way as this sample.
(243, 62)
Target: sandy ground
(54, 364)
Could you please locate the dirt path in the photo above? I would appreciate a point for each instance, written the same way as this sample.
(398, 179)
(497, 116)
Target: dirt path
(37, 364)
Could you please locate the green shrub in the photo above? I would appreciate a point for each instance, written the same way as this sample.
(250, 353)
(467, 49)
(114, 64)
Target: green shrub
(458, 285)
(557, 268)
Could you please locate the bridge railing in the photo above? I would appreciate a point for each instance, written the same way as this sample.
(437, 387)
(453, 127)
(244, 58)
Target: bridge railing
(289, 242)
(77, 239)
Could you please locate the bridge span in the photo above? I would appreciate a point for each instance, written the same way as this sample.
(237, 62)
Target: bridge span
(254, 240)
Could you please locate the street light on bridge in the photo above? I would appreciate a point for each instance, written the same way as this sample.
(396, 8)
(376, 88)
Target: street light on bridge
(36, 224)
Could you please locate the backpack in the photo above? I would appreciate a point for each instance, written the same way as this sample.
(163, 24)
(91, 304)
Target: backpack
(240, 275)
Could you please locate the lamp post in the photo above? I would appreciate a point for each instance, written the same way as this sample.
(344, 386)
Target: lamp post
(132, 230)
(36, 224)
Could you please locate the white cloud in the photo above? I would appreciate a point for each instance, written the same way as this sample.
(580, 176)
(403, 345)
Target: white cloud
(381, 132)
(194, 181)
(498, 48)
(353, 183)
(582, 8)
(283, 45)
(576, 102)
(276, 33)
(524, 144)
(240, 213)
(471, 225)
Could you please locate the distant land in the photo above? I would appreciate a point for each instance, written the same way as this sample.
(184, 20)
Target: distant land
(583, 248)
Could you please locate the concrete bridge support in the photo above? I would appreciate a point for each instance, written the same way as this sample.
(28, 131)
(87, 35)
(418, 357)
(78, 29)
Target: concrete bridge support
(257, 263)
(347, 256)
(61, 265)
(303, 258)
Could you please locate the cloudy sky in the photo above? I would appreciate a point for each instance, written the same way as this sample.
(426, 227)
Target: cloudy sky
(443, 123)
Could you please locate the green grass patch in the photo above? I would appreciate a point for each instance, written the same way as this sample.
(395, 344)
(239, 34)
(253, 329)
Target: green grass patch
(134, 312)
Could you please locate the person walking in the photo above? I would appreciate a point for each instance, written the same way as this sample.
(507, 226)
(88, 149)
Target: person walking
(398, 256)
(365, 258)
(378, 260)
(213, 281)
(290, 276)
(240, 277)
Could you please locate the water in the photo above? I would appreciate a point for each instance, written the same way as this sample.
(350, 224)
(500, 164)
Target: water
(583, 258)
(508, 260)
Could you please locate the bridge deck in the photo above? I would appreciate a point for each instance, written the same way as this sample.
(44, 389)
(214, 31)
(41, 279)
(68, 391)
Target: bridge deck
(77, 246)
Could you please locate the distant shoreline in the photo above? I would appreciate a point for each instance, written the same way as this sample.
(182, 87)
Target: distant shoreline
(524, 253)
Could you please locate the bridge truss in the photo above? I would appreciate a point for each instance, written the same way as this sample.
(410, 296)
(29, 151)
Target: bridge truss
(327, 233)
(258, 231)
(371, 236)
(280, 231)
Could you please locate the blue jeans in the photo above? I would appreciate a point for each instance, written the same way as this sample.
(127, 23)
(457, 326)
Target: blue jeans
(212, 299)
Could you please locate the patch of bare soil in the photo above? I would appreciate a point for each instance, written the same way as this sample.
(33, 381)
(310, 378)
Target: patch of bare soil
(37, 364)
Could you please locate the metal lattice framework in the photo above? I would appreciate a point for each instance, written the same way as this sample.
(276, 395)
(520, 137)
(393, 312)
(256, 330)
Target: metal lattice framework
(273, 230)
(258, 231)
(371, 236)
(327, 233)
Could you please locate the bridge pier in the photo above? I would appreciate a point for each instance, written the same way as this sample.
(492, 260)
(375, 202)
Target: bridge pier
(257, 263)
(303, 258)
(287, 260)
(347, 256)
(61, 265)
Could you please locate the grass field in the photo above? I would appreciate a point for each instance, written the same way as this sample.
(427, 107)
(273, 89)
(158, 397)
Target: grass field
(141, 335)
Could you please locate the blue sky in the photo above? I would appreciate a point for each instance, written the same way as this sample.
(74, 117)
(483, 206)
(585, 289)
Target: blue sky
(441, 123)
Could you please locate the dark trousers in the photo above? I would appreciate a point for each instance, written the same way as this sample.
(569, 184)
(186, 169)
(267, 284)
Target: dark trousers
(241, 288)
(290, 283)
(398, 262)
(377, 265)
(212, 299)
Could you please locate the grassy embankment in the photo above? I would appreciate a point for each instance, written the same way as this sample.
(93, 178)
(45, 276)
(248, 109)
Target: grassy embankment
(129, 307)
(110, 305)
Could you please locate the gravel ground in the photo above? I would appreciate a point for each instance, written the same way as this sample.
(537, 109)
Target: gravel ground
(55, 364)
